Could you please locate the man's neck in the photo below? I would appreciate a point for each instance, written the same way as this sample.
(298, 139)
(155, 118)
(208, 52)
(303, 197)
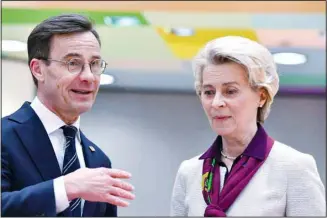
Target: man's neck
(64, 116)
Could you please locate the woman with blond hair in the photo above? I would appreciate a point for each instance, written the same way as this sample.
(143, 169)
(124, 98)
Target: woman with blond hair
(245, 172)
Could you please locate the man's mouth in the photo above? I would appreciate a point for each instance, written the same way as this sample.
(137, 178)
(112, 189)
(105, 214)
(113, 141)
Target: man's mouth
(83, 92)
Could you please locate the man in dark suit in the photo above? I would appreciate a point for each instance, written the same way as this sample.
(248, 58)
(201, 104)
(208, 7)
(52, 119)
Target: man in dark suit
(48, 166)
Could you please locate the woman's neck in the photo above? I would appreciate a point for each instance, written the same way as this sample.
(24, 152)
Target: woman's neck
(233, 146)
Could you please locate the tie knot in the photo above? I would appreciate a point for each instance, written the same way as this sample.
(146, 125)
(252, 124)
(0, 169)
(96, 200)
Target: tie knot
(69, 131)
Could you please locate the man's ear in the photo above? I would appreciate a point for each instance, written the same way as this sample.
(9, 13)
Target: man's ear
(36, 69)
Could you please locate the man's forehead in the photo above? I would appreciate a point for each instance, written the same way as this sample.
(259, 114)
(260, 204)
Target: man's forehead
(75, 39)
(75, 45)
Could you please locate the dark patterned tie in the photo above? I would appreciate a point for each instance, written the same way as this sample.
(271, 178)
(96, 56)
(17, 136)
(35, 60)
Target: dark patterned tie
(71, 163)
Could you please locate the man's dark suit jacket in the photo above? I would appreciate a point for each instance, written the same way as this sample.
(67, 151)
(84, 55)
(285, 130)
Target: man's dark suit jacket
(29, 165)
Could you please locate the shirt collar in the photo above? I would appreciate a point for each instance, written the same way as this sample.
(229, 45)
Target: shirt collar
(256, 148)
(50, 120)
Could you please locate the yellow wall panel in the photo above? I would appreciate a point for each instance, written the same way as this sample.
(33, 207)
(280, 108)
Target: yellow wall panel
(185, 47)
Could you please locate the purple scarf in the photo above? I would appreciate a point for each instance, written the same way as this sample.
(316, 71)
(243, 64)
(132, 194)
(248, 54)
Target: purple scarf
(239, 177)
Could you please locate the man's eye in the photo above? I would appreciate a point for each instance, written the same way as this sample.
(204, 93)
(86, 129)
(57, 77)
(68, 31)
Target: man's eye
(96, 63)
(74, 63)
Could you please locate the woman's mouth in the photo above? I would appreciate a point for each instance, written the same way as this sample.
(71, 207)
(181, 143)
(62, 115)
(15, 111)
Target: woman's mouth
(221, 118)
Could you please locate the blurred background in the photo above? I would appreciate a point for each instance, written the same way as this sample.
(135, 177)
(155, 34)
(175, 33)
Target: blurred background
(147, 117)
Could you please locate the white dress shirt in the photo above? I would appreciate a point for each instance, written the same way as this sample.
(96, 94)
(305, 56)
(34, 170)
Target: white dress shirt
(52, 124)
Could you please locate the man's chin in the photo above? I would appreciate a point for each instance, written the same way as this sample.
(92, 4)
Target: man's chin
(81, 108)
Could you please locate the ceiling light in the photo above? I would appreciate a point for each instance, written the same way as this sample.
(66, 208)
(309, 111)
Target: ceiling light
(121, 21)
(182, 31)
(106, 79)
(127, 21)
(107, 20)
(13, 46)
(289, 58)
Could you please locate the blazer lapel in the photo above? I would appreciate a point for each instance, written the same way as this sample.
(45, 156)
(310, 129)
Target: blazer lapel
(90, 156)
(35, 138)
(90, 152)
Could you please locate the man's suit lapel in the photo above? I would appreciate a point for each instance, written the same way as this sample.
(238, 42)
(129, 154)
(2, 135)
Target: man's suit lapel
(35, 138)
(91, 161)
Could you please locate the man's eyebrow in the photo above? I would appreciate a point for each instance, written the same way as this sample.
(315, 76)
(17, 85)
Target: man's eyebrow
(80, 56)
(72, 55)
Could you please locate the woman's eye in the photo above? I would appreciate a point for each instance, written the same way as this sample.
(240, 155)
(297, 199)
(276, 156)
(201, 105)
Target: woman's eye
(209, 92)
(231, 91)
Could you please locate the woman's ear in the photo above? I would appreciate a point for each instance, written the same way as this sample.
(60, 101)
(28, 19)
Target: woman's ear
(36, 69)
(263, 96)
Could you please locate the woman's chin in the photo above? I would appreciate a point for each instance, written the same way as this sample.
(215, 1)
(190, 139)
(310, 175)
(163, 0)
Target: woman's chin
(223, 130)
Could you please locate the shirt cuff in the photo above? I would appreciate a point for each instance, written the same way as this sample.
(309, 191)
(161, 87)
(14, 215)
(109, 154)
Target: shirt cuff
(60, 194)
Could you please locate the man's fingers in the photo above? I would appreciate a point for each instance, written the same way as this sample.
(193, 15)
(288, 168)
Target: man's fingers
(116, 173)
(116, 201)
(121, 193)
(123, 185)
